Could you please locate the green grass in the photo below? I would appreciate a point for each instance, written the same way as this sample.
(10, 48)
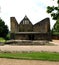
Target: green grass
(2, 39)
(32, 56)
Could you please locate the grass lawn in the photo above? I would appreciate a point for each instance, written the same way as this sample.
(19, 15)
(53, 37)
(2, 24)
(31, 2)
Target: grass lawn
(2, 39)
(32, 56)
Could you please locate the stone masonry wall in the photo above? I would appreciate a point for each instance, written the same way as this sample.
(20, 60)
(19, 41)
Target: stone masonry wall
(42, 26)
(14, 24)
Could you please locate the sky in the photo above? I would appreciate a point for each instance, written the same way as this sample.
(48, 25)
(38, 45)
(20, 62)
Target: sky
(34, 9)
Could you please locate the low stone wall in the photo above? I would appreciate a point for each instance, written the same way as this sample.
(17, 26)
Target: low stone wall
(27, 42)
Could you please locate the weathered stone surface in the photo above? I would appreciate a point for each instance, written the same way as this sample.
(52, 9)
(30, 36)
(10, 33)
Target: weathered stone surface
(27, 31)
(42, 26)
(14, 24)
(27, 42)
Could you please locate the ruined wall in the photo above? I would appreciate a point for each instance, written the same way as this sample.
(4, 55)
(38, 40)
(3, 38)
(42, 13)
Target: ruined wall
(14, 25)
(25, 25)
(42, 36)
(25, 28)
(42, 26)
(21, 37)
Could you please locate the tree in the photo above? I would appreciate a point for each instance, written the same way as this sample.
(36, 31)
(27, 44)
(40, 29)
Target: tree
(55, 29)
(54, 11)
(3, 29)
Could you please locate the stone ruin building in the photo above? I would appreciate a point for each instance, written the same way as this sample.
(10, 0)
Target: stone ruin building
(25, 30)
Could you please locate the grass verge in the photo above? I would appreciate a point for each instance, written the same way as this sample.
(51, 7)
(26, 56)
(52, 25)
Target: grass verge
(2, 39)
(32, 56)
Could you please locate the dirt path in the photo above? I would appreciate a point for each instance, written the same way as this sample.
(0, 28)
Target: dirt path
(29, 48)
(4, 61)
(56, 42)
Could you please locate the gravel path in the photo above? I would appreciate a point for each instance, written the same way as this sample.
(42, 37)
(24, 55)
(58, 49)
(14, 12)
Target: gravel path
(4, 61)
(29, 48)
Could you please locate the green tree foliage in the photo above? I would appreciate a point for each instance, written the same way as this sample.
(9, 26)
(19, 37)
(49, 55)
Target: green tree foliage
(3, 29)
(54, 11)
(55, 29)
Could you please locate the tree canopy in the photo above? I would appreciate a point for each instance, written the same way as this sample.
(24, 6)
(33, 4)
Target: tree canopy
(3, 29)
(54, 11)
(55, 29)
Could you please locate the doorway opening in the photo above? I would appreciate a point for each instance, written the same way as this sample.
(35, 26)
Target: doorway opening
(31, 37)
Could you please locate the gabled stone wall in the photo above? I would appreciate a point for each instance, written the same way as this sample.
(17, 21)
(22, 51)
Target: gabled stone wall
(42, 27)
(25, 28)
(25, 25)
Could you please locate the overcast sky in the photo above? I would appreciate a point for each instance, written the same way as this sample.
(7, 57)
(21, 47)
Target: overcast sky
(34, 9)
